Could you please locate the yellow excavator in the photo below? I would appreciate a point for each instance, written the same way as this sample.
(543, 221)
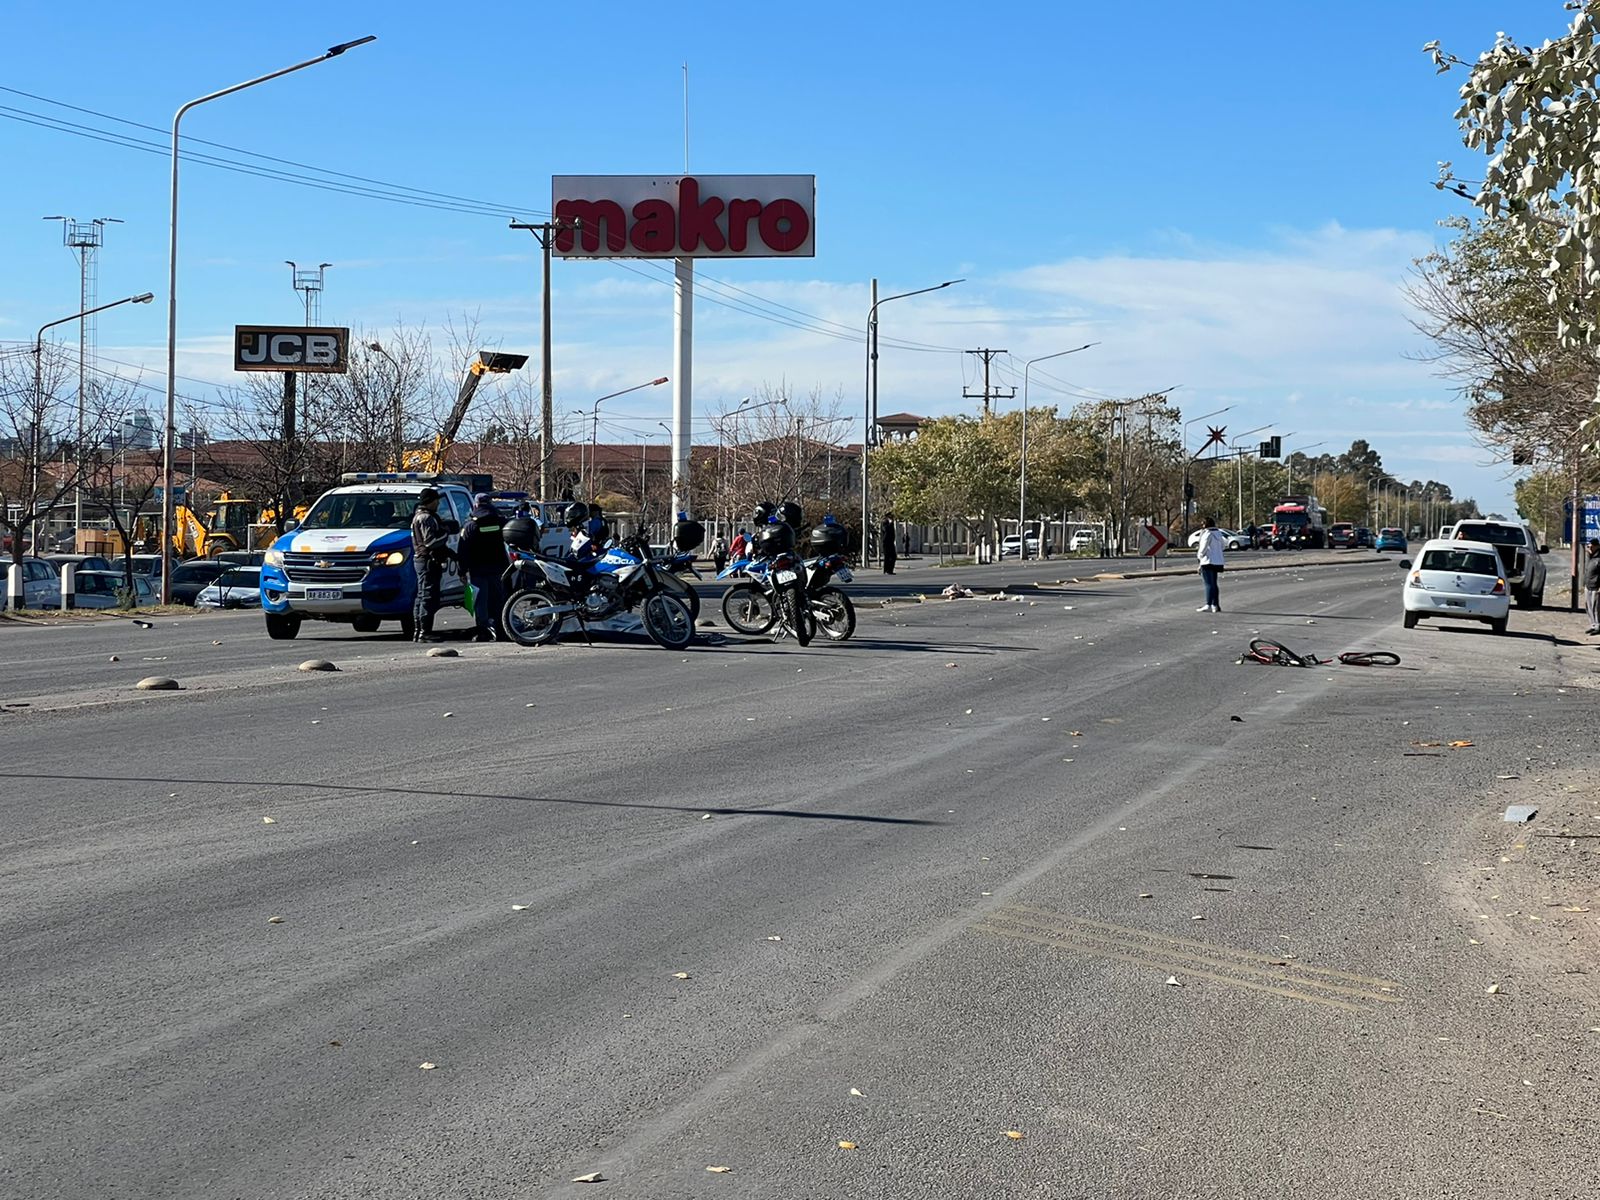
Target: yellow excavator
(232, 523)
(431, 458)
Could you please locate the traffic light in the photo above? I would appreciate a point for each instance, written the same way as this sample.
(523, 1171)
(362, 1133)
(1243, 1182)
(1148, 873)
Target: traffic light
(1272, 447)
(1188, 490)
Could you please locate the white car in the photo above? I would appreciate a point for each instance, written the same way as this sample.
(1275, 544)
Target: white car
(1084, 539)
(1011, 543)
(1457, 580)
(41, 585)
(237, 587)
(105, 589)
(1234, 541)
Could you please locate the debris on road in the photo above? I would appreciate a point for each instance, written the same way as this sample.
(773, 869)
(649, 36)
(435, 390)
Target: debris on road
(1492, 990)
(591, 1177)
(444, 652)
(1015, 1135)
(1520, 814)
(274, 920)
(680, 974)
(269, 820)
(857, 1092)
(847, 1145)
(719, 1170)
(113, 658)
(1172, 981)
(956, 592)
(427, 1066)
(1237, 718)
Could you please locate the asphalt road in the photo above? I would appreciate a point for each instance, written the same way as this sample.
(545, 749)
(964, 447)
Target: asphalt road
(991, 867)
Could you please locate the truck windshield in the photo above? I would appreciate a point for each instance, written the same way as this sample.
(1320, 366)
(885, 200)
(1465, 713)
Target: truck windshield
(361, 510)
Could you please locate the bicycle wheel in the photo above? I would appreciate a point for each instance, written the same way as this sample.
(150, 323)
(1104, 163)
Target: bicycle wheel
(527, 620)
(748, 609)
(836, 616)
(667, 621)
(1370, 658)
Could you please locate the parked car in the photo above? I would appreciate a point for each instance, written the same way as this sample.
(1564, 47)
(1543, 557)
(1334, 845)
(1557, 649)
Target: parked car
(1391, 539)
(237, 587)
(81, 562)
(1012, 543)
(104, 589)
(143, 564)
(243, 558)
(1519, 552)
(1084, 539)
(188, 579)
(41, 585)
(1457, 580)
(1364, 539)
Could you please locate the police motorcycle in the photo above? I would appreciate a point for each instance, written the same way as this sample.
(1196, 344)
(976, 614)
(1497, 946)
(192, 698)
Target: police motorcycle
(592, 585)
(778, 588)
(687, 537)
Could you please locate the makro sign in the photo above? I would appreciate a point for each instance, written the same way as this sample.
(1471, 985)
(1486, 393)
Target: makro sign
(291, 348)
(686, 216)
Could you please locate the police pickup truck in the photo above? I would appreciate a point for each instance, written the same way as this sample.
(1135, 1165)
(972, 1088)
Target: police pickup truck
(349, 560)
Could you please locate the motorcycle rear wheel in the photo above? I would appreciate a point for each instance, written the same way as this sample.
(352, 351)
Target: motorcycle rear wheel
(748, 609)
(836, 616)
(521, 622)
(667, 621)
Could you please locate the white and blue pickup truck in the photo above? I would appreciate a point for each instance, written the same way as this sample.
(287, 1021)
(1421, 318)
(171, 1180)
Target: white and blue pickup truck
(349, 560)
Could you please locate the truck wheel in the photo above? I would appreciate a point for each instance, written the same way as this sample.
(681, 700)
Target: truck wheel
(1410, 620)
(366, 623)
(282, 627)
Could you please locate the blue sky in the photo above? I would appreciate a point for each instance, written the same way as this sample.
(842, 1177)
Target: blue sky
(1226, 196)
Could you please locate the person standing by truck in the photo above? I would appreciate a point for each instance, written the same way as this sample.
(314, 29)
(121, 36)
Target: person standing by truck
(1209, 552)
(482, 553)
(430, 550)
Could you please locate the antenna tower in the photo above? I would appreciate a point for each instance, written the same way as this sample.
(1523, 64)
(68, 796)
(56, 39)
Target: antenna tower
(308, 282)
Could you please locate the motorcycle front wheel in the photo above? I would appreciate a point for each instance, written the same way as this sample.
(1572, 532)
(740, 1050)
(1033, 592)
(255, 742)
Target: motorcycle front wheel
(667, 621)
(836, 616)
(748, 609)
(523, 621)
(683, 590)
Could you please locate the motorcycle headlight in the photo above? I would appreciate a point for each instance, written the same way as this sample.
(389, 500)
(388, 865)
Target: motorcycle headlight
(390, 558)
(273, 558)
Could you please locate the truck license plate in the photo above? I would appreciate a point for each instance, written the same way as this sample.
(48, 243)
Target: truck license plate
(324, 594)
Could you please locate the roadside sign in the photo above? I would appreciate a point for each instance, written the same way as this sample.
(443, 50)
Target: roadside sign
(1590, 520)
(291, 348)
(1152, 539)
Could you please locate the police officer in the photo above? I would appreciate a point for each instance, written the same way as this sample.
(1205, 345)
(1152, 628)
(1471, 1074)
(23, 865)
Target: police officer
(482, 552)
(430, 550)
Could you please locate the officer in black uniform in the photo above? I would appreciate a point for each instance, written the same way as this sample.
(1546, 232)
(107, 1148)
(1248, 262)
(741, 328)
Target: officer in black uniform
(482, 553)
(430, 550)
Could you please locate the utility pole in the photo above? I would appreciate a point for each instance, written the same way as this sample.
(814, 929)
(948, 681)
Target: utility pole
(988, 357)
(544, 231)
(308, 283)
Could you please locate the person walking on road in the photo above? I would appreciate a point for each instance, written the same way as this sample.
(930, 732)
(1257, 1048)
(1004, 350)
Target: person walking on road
(719, 553)
(1591, 584)
(740, 546)
(1209, 552)
(482, 552)
(430, 549)
(886, 540)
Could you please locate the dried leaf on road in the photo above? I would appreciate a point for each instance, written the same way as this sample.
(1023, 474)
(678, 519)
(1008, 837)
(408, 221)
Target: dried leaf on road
(847, 1145)
(1457, 745)
(1014, 1134)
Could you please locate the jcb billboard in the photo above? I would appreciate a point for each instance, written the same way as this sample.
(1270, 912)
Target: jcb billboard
(291, 348)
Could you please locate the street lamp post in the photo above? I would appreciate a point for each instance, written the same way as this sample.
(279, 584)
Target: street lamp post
(1022, 474)
(1238, 456)
(594, 430)
(1184, 438)
(1288, 488)
(172, 298)
(399, 448)
(38, 398)
(869, 434)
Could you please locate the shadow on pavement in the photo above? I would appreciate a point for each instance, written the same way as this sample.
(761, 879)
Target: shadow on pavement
(401, 791)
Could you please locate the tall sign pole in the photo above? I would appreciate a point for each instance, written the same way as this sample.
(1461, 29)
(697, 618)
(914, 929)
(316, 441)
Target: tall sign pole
(544, 231)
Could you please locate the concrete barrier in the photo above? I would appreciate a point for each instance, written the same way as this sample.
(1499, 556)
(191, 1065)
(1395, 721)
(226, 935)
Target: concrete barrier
(15, 592)
(69, 586)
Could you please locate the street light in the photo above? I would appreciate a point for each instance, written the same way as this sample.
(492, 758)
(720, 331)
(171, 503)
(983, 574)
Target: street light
(38, 396)
(398, 452)
(871, 404)
(1022, 475)
(172, 299)
(1238, 458)
(594, 431)
(1184, 437)
(1289, 484)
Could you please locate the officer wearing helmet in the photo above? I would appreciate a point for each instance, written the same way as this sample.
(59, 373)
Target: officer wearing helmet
(430, 550)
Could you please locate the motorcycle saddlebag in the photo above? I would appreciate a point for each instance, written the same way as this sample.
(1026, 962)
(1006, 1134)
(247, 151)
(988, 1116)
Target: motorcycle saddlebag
(829, 539)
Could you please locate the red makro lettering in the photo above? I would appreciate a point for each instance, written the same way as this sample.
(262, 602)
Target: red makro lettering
(698, 224)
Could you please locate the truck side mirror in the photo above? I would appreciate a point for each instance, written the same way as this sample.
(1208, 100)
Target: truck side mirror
(291, 525)
(1544, 549)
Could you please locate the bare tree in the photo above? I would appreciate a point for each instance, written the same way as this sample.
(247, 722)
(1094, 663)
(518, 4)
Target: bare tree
(386, 399)
(779, 445)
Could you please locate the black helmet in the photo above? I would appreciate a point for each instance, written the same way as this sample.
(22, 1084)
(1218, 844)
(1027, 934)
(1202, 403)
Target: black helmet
(576, 514)
(791, 514)
(763, 511)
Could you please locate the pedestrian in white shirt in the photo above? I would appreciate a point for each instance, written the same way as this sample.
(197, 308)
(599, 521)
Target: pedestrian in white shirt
(1212, 541)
